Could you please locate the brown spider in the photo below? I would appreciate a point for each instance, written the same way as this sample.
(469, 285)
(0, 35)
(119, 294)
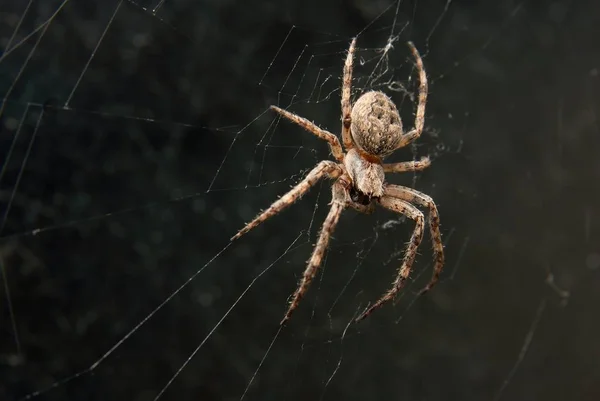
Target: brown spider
(371, 130)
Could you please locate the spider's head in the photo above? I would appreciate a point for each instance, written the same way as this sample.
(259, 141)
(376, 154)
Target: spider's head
(367, 177)
(376, 125)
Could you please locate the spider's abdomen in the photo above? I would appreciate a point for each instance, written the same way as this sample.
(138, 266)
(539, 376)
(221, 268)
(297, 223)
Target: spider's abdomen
(376, 126)
(367, 178)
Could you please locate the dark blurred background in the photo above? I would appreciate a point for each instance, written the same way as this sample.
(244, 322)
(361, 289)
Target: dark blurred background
(125, 174)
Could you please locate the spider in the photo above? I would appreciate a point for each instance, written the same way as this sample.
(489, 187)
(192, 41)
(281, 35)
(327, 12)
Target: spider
(371, 130)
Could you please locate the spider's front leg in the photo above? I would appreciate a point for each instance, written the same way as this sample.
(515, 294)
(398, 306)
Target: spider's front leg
(405, 208)
(325, 168)
(419, 198)
(339, 201)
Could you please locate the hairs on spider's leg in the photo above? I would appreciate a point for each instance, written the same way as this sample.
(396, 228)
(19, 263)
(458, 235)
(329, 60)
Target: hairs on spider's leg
(324, 168)
(402, 167)
(334, 142)
(419, 198)
(420, 115)
(405, 208)
(346, 92)
(337, 207)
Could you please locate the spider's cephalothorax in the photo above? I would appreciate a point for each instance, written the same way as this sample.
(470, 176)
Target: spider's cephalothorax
(371, 130)
(367, 176)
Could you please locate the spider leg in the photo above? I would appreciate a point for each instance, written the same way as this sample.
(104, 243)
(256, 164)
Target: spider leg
(334, 143)
(338, 204)
(405, 208)
(324, 168)
(420, 115)
(346, 92)
(359, 207)
(415, 165)
(419, 198)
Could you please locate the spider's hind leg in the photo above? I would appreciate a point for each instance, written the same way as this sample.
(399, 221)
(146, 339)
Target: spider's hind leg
(346, 93)
(420, 114)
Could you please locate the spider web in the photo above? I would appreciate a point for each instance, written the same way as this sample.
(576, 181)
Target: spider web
(136, 140)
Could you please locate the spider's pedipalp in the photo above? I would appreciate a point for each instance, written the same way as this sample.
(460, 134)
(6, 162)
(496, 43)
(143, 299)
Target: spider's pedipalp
(324, 168)
(419, 198)
(404, 208)
(338, 203)
(334, 143)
